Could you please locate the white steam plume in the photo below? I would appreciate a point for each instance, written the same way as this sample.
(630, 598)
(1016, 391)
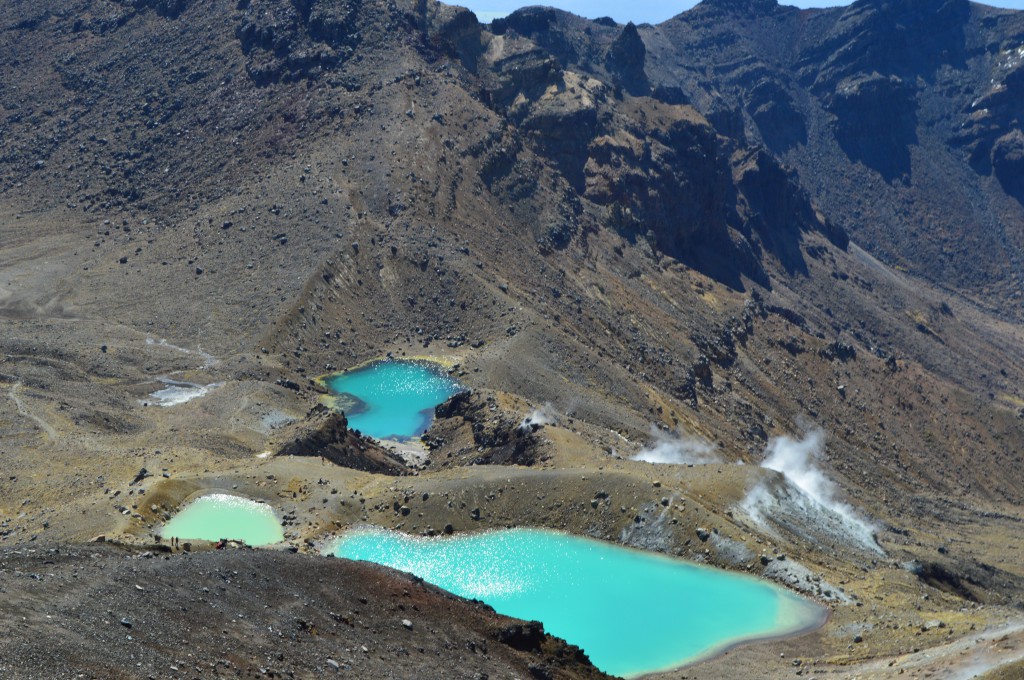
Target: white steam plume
(538, 417)
(814, 503)
(677, 448)
(797, 459)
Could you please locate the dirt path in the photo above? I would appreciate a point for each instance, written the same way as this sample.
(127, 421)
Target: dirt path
(992, 654)
(12, 394)
(971, 656)
(208, 359)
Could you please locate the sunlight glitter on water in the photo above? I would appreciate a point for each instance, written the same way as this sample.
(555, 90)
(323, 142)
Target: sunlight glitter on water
(632, 612)
(393, 399)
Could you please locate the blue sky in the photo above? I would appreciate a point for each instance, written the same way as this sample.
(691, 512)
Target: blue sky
(637, 11)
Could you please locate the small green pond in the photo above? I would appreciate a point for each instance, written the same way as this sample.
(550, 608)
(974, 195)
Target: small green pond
(632, 612)
(220, 515)
(393, 399)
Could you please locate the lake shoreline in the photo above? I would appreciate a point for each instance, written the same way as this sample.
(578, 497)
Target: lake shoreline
(509, 584)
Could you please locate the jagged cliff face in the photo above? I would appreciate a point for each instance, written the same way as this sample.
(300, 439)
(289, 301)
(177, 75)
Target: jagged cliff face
(881, 107)
(899, 117)
(660, 170)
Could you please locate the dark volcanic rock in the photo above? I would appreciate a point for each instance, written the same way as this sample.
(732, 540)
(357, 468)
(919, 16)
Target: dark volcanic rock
(522, 69)
(497, 439)
(626, 58)
(775, 205)
(1008, 163)
(525, 637)
(456, 27)
(876, 121)
(901, 37)
(651, 177)
(914, 91)
(166, 8)
(325, 433)
(543, 25)
(291, 43)
(774, 110)
(662, 171)
(256, 614)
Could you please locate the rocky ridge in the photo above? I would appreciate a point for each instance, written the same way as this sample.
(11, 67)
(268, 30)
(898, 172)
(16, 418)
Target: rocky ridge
(894, 114)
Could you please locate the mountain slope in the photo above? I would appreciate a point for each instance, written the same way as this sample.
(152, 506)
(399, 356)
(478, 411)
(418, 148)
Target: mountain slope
(901, 118)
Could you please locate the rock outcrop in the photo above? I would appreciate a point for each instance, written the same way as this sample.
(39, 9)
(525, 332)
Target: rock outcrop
(471, 430)
(626, 58)
(291, 43)
(875, 121)
(325, 433)
(915, 93)
(1008, 163)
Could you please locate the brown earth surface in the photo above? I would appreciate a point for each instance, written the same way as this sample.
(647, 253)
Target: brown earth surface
(103, 612)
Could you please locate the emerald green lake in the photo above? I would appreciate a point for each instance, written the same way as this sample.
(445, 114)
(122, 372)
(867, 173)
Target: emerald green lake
(393, 399)
(632, 612)
(219, 515)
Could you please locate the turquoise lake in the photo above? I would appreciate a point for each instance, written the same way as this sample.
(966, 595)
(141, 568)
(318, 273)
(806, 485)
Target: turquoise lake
(219, 515)
(393, 399)
(632, 612)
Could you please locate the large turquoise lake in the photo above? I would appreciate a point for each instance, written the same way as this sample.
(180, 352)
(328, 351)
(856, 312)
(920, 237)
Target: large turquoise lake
(220, 515)
(393, 399)
(632, 612)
